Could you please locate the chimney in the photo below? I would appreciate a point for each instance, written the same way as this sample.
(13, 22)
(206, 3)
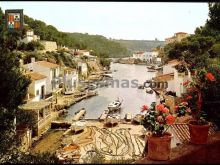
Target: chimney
(32, 59)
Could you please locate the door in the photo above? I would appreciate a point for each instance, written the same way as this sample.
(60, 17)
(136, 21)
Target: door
(42, 92)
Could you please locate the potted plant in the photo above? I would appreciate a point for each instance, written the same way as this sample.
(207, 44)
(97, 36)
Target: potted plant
(199, 126)
(156, 121)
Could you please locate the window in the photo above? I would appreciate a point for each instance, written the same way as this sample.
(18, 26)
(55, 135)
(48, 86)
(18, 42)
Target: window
(54, 73)
(37, 92)
(41, 113)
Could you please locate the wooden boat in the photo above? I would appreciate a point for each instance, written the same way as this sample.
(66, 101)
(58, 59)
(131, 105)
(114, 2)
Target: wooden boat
(80, 114)
(104, 115)
(60, 124)
(116, 116)
(115, 105)
(151, 70)
(128, 117)
(108, 75)
(92, 86)
(111, 122)
(137, 119)
(150, 67)
(78, 126)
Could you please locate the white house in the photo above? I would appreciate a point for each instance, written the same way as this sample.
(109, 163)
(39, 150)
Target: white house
(70, 80)
(82, 52)
(168, 68)
(37, 88)
(177, 37)
(139, 55)
(146, 56)
(30, 37)
(151, 56)
(50, 70)
(158, 60)
(165, 80)
(174, 78)
(179, 79)
(42, 111)
(83, 68)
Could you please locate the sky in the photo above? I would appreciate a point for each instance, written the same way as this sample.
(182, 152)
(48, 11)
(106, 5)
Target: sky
(117, 20)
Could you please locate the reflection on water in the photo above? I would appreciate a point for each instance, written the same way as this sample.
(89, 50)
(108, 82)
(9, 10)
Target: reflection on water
(133, 98)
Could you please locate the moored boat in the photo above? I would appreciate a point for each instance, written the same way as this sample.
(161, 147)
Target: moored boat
(137, 119)
(80, 114)
(151, 70)
(78, 126)
(128, 117)
(104, 115)
(115, 105)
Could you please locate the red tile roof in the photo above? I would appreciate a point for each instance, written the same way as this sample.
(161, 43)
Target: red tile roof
(36, 76)
(164, 77)
(181, 33)
(139, 52)
(47, 64)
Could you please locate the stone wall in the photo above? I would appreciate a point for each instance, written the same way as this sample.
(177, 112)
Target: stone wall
(49, 45)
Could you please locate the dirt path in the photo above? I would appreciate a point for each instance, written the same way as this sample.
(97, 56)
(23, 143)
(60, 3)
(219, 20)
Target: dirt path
(50, 142)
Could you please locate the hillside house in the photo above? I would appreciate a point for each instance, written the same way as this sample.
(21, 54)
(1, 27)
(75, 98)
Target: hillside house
(84, 53)
(146, 56)
(37, 88)
(151, 57)
(177, 37)
(81, 52)
(50, 70)
(30, 37)
(139, 55)
(70, 80)
(174, 79)
(41, 111)
(83, 69)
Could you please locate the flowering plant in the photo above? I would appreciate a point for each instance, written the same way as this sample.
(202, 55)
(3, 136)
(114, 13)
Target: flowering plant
(183, 108)
(157, 118)
(195, 94)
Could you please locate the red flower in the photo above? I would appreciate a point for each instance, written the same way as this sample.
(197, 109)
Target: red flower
(188, 97)
(184, 103)
(160, 107)
(165, 110)
(160, 119)
(188, 110)
(186, 83)
(210, 77)
(176, 108)
(170, 119)
(144, 108)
